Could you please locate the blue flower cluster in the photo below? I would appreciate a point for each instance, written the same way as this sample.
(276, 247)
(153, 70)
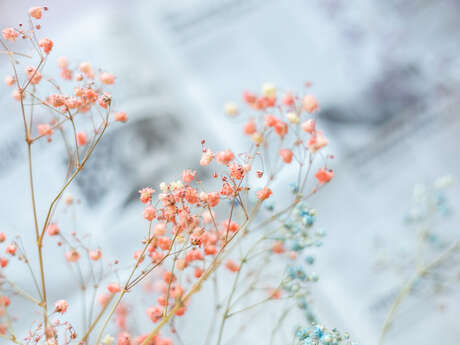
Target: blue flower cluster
(298, 234)
(319, 335)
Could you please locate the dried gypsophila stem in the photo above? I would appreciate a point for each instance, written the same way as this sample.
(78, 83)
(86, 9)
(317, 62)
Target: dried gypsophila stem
(87, 97)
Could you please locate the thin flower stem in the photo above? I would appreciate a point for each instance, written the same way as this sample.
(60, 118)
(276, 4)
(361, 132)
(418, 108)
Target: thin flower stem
(217, 261)
(407, 287)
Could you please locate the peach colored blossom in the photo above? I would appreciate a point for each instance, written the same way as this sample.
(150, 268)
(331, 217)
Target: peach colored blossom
(35, 12)
(18, 94)
(146, 194)
(278, 247)
(3, 262)
(63, 62)
(95, 255)
(324, 175)
(159, 229)
(61, 306)
(82, 138)
(309, 103)
(10, 34)
(9, 80)
(250, 127)
(317, 141)
(107, 78)
(149, 213)
(11, 249)
(232, 265)
(120, 116)
(52, 229)
(225, 157)
(264, 193)
(188, 175)
(46, 44)
(206, 158)
(213, 199)
(286, 155)
(113, 287)
(44, 129)
(308, 126)
(72, 255)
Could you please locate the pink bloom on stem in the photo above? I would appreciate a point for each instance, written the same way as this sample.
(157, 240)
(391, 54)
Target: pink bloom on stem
(232, 265)
(35, 12)
(18, 95)
(56, 100)
(309, 126)
(198, 272)
(2, 237)
(11, 249)
(5, 302)
(250, 127)
(46, 44)
(10, 34)
(286, 155)
(278, 247)
(9, 80)
(213, 199)
(149, 213)
(275, 293)
(114, 287)
(225, 157)
(82, 138)
(309, 103)
(281, 128)
(52, 229)
(120, 116)
(155, 313)
(271, 120)
(63, 62)
(288, 99)
(44, 129)
(206, 158)
(72, 255)
(103, 299)
(95, 255)
(264, 193)
(146, 194)
(3, 262)
(236, 171)
(61, 306)
(324, 176)
(85, 68)
(317, 141)
(107, 78)
(66, 74)
(159, 229)
(188, 175)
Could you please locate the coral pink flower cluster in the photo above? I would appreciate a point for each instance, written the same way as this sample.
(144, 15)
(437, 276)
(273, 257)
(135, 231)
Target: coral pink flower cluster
(296, 114)
(192, 226)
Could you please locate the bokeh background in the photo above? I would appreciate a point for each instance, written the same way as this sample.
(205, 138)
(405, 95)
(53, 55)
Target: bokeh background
(386, 74)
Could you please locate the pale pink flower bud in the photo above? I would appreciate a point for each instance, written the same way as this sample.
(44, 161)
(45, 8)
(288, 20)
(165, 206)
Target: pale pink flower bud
(121, 116)
(309, 103)
(114, 287)
(95, 255)
(61, 306)
(35, 12)
(10, 34)
(9, 80)
(82, 138)
(107, 78)
(46, 44)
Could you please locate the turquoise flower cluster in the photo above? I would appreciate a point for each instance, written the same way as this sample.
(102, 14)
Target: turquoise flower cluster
(319, 335)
